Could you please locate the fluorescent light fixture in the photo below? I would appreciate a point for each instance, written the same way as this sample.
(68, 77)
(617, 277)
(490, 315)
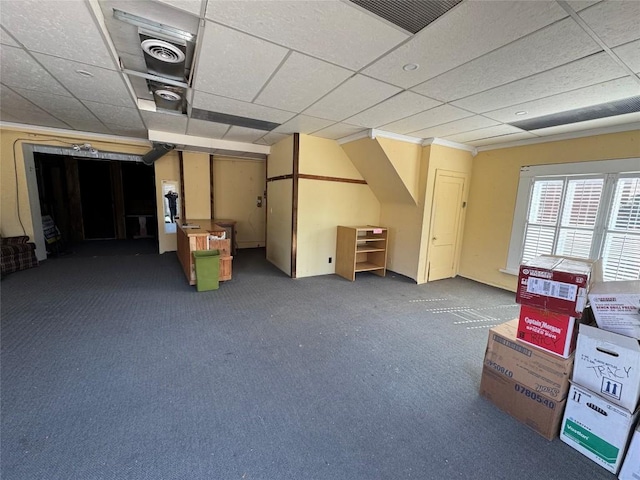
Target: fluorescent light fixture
(153, 26)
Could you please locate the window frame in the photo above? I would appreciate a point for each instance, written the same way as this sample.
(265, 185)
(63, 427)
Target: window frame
(610, 169)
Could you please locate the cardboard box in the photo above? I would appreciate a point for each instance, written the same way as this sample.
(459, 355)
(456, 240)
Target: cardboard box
(551, 331)
(631, 465)
(540, 371)
(616, 306)
(608, 364)
(596, 427)
(538, 412)
(556, 283)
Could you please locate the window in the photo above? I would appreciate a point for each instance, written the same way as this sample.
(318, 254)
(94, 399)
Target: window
(584, 215)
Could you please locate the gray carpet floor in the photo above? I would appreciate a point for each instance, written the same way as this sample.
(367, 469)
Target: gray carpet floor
(113, 367)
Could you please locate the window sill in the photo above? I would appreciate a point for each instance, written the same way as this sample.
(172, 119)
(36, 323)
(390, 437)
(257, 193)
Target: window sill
(509, 271)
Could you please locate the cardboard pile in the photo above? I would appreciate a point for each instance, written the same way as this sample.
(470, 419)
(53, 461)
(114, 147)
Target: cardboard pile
(602, 407)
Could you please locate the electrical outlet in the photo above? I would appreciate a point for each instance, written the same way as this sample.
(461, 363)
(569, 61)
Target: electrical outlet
(259, 202)
(330, 259)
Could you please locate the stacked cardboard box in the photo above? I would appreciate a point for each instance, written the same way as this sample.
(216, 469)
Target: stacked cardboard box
(602, 407)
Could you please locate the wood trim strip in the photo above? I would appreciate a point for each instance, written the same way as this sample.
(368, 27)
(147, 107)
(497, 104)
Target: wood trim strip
(183, 209)
(332, 179)
(294, 204)
(211, 187)
(280, 177)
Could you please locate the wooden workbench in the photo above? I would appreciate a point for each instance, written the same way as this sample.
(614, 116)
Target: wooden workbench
(192, 239)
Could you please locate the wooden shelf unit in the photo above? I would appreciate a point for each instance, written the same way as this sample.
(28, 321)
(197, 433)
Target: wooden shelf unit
(361, 249)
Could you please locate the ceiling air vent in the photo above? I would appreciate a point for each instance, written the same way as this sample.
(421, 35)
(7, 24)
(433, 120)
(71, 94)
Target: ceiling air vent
(410, 15)
(163, 58)
(232, 119)
(603, 110)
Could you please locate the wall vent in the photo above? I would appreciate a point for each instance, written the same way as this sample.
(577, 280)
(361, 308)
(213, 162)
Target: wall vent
(410, 15)
(603, 110)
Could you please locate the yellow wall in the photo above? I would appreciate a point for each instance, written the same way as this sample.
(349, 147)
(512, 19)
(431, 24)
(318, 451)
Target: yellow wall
(492, 196)
(237, 184)
(323, 205)
(280, 205)
(406, 159)
(197, 185)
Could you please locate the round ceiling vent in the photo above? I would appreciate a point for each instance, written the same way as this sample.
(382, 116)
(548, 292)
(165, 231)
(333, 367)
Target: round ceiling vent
(163, 51)
(168, 95)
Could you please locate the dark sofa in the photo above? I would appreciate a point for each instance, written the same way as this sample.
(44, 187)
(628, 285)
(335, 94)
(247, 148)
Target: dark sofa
(17, 253)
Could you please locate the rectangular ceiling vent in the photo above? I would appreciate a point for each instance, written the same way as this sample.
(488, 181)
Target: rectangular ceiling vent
(603, 110)
(232, 119)
(410, 15)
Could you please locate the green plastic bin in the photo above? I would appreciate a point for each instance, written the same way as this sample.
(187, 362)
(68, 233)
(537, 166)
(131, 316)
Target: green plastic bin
(207, 269)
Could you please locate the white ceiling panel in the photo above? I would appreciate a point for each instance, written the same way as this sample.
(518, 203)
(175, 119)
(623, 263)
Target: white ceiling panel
(5, 39)
(583, 97)
(582, 73)
(330, 30)
(496, 131)
(202, 128)
(165, 122)
(105, 86)
(615, 22)
(578, 5)
(338, 130)
(469, 30)
(397, 107)
(191, 6)
(64, 29)
(430, 118)
(128, 131)
(272, 137)
(27, 73)
(243, 134)
(303, 124)
(353, 96)
(300, 81)
(589, 125)
(67, 109)
(215, 103)
(26, 112)
(458, 126)
(248, 62)
(630, 55)
(114, 114)
(550, 47)
(512, 137)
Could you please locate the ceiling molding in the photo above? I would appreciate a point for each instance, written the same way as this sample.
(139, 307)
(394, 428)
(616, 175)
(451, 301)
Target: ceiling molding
(72, 133)
(203, 142)
(564, 136)
(354, 137)
(450, 144)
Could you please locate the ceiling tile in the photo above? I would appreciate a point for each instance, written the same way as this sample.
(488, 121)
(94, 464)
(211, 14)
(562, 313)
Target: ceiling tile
(128, 131)
(165, 122)
(430, 118)
(330, 30)
(578, 5)
(63, 29)
(582, 73)
(243, 134)
(583, 97)
(105, 86)
(303, 124)
(26, 112)
(630, 55)
(7, 117)
(67, 109)
(512, 137)
(202, 128)
(125, 116)
(191, 6)
(457, 126)
(464, 33)
(5, 39)
(399, 106)
(353, 96)
(590, 124)
(338, 130)
(481, 133)
(215, 103)
(614, 22)
(272, 137)
(25, 72)
(247, 63)
(550, 47)
(300, 81)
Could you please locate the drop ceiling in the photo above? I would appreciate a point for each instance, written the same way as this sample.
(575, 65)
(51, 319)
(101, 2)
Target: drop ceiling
(329, 68)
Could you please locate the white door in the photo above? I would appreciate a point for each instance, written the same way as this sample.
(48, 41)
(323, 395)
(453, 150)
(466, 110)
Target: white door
(446, 225)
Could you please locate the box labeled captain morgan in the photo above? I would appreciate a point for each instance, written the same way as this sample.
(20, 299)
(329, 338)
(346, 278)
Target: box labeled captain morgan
(551, 331)
(556, 283)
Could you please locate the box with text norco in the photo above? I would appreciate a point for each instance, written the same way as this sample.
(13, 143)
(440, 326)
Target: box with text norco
(556, 283)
